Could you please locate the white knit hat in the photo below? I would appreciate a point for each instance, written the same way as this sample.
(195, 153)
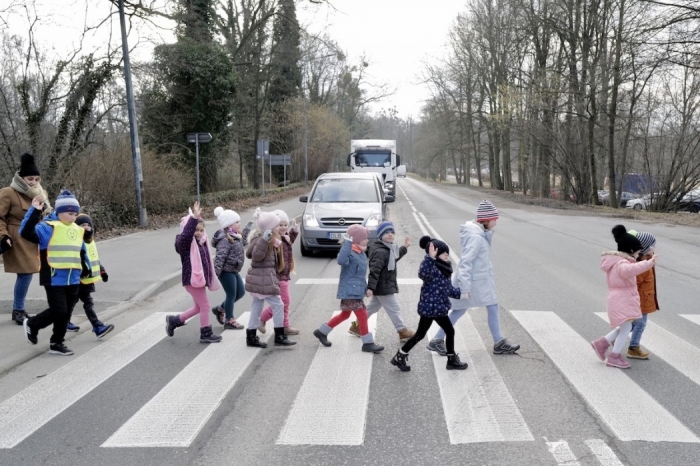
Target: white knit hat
(282, 215)
(226, 217)
(265, 220)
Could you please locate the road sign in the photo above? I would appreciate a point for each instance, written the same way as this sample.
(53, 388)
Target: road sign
(202, 138)
(283, 159)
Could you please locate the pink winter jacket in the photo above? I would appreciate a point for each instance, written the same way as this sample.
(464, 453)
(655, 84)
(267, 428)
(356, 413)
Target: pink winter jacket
(621, 272)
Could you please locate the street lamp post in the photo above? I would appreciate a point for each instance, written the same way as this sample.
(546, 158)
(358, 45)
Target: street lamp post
(197, 138)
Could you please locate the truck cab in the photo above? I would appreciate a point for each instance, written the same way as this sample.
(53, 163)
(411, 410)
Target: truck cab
(375, 155)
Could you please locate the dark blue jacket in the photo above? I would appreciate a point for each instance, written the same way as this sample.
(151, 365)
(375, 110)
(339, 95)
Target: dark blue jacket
(436, 291)
(353, 270)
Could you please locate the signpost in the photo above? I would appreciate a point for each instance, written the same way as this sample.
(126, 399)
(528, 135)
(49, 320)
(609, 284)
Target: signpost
(263, 151)
(196, 139)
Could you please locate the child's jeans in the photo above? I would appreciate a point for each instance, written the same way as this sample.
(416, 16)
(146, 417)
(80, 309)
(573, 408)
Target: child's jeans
(638, 327)
(286, 300)
(256, 311)
(235, 290)
(201, 306)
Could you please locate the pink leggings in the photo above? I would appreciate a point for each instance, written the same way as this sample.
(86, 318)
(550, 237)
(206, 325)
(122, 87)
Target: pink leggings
(286, 300)
(201, 306)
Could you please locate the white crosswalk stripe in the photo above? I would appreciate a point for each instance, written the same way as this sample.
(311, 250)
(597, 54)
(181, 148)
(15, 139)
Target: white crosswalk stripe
(478, 407)
(174, 417)
(603, 452)
(672, 349)
(319, 415)
(598, 384)
(334, 281)
(694, 318)
(562, 453)
(24, 413)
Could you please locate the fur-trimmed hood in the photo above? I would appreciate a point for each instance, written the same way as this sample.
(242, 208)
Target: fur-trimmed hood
(610, 258)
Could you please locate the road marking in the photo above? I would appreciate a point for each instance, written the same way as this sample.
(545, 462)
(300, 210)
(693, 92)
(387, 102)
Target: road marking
(677, 352)
(694, 318)
(30, 409)
(453, 255)
(478, 407)
(334, 281)
(603, 452)
(420, 223)
(176, 414)
(562, 453)
(618, 400)
(331, 405)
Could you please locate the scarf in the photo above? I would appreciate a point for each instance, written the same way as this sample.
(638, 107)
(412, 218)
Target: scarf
(393, 254)
(198, 279)
(444, 267)
(359, 249)
(21, 186)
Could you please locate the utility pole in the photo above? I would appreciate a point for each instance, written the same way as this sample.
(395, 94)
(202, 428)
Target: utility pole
(133, 127)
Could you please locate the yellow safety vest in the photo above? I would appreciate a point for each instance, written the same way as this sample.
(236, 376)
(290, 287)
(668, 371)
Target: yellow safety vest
(94, 262)
(64, 247)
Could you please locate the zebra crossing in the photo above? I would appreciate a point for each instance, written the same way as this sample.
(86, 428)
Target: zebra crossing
(477, 404)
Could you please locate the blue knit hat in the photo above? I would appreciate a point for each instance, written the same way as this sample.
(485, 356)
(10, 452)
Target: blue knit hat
(383, 228)
(66, 202)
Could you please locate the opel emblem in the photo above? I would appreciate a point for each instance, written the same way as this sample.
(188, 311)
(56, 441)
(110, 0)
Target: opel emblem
(341, 221)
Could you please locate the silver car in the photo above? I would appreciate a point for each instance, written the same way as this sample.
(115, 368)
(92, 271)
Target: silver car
(338, 200)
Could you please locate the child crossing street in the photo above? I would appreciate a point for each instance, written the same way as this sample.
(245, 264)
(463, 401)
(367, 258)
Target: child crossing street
(646, 286)
(230, 256)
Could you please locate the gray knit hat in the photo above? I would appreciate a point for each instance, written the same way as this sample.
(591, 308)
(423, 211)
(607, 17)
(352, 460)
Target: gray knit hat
(646, 239)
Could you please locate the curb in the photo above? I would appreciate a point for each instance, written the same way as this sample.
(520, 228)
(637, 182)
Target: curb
(14, 360)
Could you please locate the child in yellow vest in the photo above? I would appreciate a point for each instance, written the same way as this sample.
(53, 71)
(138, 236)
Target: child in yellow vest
(64, 260)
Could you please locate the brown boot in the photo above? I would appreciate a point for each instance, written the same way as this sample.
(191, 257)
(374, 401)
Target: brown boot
(354, 329)
(636, 352)
(405, 334)
(291, 331)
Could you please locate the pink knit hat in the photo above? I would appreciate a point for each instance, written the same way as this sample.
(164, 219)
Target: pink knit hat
(358, 233)
(265, 220)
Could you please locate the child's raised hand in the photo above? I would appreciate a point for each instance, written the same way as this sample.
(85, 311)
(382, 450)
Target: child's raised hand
(407, 242)
(653, 258)
(196, 210)
(432, 250)
(37, 203)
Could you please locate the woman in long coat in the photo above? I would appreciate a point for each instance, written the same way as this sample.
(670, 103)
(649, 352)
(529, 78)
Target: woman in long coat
(19, 255)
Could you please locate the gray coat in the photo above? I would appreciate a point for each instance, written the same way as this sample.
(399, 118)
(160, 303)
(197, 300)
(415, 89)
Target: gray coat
(262, 274)
(229, 256)
(474, 273)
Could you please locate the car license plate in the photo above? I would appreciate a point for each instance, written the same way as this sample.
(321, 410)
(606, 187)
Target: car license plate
(335, 235)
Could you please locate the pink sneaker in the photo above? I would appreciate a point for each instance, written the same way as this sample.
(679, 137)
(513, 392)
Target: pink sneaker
(600, 346)
(617, 360)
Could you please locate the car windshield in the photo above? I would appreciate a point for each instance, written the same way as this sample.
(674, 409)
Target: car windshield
(372, 159)
(345, 190)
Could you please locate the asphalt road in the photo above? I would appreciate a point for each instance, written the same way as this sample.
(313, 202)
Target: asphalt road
(553, 403)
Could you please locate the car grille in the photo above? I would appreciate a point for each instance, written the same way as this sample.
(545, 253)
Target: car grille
(327, 242)
(346, 221)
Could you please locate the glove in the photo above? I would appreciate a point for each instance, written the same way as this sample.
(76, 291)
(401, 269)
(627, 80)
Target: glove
(267, 235)
(292, 225)
(347, 237)
(85, 273)
(5, 243)
(248, 225)
(464, 296)
(104, 276)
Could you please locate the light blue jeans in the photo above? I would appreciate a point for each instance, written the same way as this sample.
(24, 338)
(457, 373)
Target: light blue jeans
(638, 327)
(257, 307)
(21, 289)
(494, 324)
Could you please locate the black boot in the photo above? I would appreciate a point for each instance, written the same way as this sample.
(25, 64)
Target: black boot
(19, 316)
(171, 323)
(281, 339)
(322, 337)
(400, 360)
(251, 339)
(453, 363)
(207, 336)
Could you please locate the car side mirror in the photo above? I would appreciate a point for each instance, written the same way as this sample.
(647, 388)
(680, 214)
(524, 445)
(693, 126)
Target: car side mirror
(304, 199)
(389, 198)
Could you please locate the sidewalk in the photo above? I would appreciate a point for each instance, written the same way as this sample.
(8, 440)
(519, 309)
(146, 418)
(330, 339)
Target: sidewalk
(140, 266)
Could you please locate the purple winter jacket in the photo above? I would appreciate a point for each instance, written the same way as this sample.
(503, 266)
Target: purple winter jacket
(182, 247)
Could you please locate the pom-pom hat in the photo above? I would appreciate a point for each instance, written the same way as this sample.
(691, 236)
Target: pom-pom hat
(282, 215)
(625, 242)
(66, 202)
(441, 246)
(226, 217)
(265, 220)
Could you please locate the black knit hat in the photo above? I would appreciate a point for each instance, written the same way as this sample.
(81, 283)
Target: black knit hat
(625, 242)
(84, 218)
(27, 166)
(441, 246)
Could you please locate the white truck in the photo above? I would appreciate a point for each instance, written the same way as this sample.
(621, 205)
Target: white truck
(375, 155)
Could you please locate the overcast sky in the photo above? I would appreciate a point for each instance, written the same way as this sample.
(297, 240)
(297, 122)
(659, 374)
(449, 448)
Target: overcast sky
(396, 36)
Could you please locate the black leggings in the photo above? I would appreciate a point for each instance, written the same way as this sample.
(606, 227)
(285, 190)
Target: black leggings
(424, 325)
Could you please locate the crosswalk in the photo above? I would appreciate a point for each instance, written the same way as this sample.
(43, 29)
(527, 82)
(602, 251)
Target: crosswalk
(477, 405)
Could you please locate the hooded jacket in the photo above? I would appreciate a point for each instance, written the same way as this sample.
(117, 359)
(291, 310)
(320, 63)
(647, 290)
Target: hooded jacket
(622, 300)
(36, 231)
(262, 274)
(381, 280)
(474, 274)
(646, 284)
(229, 256)
(353, 268)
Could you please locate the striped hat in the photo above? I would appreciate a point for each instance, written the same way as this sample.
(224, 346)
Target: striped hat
(486, 211)
(66, 202)
(647, 240)
(383, 228)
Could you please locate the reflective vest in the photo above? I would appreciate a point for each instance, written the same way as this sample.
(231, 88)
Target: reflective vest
(94, 262)
(64, 247)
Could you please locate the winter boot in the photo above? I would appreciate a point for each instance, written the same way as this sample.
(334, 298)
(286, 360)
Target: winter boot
(636, 352)
(171, 323)
(19, 316)
(354, 329)
(437, 346)
(261, 327)
(219, 313)
(400, 360)
(322, 337)
(281, 339)
(617, 360)
(291, 331)
(600, 346)
(453, 363)
(369, 346)
(207, 336)
(251, 339)
(405, 334)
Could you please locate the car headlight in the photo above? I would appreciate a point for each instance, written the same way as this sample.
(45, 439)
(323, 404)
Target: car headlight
(310, 220)
(373, 220)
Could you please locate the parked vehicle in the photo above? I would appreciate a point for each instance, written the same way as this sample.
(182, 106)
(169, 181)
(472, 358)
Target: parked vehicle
(338, 200)
(624, 199)
(639, 203)
(401, 171)
(375, 155)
